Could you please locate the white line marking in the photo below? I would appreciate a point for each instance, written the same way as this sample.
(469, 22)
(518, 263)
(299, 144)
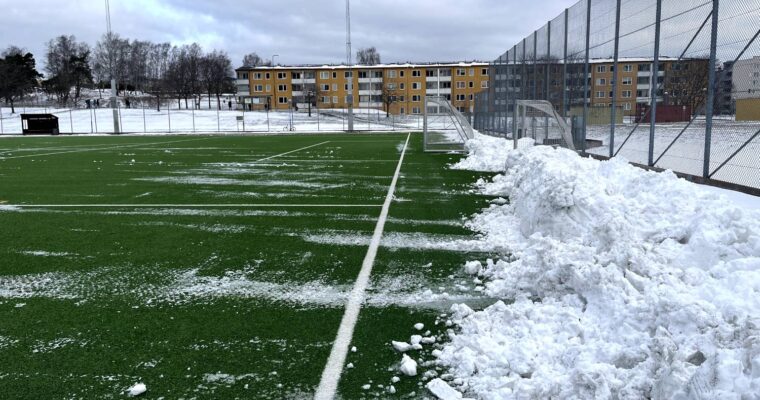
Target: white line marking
(192, 205)
(328, 385)
(290, 152)
(104, 148)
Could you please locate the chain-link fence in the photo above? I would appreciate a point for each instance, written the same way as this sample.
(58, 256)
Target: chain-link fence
(171, 117)
(664, 83)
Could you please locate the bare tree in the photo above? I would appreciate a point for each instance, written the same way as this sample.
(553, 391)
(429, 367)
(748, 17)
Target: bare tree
(111, 60)
(368, 56)
(389, 96)
(216, 71)
(252, 60)
(686, 84)
(68, 65)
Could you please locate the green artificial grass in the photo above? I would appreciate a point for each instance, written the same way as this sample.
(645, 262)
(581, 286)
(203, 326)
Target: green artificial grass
(201, 300)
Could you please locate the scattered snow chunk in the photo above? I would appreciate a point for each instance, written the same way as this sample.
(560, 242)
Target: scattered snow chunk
(137, 389)
(419, 326)
(442, 390)
(408, 366)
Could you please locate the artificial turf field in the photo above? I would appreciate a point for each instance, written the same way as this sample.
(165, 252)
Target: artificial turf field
(219, 266)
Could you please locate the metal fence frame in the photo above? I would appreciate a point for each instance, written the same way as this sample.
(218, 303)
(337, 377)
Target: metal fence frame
(585, 33)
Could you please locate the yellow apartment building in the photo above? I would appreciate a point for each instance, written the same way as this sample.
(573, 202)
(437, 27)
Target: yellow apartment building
(400, 87)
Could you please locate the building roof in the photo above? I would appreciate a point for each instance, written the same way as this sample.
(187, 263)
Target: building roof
(361, 66)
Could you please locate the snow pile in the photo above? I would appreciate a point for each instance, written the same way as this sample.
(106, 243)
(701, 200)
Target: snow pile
(137, 389)
(621, 283)
(487, 153)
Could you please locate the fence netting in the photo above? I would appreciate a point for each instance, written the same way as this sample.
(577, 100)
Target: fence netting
(664, 83)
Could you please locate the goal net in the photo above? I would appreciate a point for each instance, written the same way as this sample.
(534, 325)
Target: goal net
(445, 128)
(538, 120)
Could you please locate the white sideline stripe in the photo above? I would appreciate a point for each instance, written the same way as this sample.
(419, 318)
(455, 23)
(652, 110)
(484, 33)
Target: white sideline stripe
(328, 384)
(290, 152)
(103, 148)
(191, 205)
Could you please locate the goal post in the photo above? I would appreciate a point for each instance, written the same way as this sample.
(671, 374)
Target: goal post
(445, 129)
(538, 120)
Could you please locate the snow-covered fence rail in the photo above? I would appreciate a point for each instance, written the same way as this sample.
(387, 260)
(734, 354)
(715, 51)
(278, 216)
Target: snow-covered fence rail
(663, 83)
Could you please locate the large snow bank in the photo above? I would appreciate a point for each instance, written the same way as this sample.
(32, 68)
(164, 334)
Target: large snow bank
(487, 154)
(622, 284)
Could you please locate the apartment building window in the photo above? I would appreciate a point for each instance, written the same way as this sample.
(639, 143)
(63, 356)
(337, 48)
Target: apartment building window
(401, 74)
(416, 74)
(362, 74)
(627, 106)
(349, 74)
(461, 85)
(282, 75)
(484, 85)
(628, 68)
(601, 69)
(402, 111)
(643, 80)
(282, 100)
(258, 88)
(642, 93)
(431, 73)
(472, 84)
(268, 76)
(444, 72)
(335, 87)
(401, 99)
(627, 94)
(431, 85)
(346, 100)
(472, 97)
(392, 74)
(335, 99)
(296, 75)
(415, 86)
(484, 72)
(326, 99)
(377, 74)
(402, 86)
(645, 67)
(309, 75)
(461, 72)
(335, 76)
(628, 81)
(326, 88)
(599, 95)
(269, 88)
(601, 82)
(472, 71)
(324, 75)
(446, 85)
(282, 88)
(415, 110)
(460, 97)
(391, 86)
(364, 86)
(416, 98)
(348, 86)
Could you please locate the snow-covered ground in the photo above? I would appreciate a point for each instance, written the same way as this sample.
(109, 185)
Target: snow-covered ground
(148, 120)
(615, 283)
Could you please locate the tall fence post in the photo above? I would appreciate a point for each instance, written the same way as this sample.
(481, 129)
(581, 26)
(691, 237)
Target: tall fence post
(711, 88)
(565, 98)
(586, 73)
(2, 131)
(615, 79)
(145, 124)
(514, 93)
(169, 113)
(655, 83)
(71, 121)
(535, 65)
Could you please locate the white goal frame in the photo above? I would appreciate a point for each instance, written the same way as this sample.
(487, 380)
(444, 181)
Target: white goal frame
(538, 120)
(445, 129)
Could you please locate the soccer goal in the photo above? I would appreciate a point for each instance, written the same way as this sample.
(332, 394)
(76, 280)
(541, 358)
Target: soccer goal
(538, 120)
(445, 128)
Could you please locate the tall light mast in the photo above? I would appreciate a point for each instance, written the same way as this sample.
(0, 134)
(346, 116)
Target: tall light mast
(114, 105)
(349, 62)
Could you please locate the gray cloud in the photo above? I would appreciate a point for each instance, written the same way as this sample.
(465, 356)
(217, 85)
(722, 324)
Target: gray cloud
(299, 31)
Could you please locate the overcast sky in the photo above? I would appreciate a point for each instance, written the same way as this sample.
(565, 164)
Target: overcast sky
(300, 31)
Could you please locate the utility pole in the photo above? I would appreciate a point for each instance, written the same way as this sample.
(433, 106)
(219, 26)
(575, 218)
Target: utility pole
(114, 105)
(349, 61)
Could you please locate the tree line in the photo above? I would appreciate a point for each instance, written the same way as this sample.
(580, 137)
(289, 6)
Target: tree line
(184, 73)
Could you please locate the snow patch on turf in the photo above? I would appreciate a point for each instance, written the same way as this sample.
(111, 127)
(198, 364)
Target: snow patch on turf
(623, 284)
(42, 253)
(396, 240)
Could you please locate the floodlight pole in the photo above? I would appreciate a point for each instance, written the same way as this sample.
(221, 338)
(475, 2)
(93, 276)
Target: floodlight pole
(116, 129)
(350, 77)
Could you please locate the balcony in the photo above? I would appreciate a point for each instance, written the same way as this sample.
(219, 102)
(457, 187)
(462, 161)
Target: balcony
(241, 82)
